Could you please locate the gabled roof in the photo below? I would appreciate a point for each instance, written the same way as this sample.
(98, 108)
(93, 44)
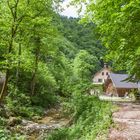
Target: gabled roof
(109, 69)
(118, 81)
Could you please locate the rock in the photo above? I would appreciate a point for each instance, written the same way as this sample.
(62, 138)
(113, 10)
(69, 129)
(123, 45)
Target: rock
(14, 121)
(26, 122)
(35, 127)
(36, 118)
(31, 127)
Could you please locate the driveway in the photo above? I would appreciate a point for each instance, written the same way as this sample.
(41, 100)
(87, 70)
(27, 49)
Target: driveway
(126, 122)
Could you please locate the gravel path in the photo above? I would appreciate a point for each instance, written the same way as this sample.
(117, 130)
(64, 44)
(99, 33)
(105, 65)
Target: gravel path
(127, 123)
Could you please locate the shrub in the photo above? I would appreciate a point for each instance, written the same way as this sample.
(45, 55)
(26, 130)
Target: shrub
(3, 135)
(6, 135)
(91, 118)
(44, 100)
(20, 104)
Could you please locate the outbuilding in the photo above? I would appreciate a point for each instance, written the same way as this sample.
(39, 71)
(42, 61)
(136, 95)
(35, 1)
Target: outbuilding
(116, 85)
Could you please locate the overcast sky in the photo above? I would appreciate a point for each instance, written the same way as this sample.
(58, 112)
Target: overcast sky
(70, 11)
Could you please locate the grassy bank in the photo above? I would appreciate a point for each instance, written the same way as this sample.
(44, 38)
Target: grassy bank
(91, 119)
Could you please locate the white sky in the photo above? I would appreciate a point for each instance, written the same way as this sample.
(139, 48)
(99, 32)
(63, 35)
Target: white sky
(70, 11)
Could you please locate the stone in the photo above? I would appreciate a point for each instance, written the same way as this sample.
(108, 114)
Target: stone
(14, 121)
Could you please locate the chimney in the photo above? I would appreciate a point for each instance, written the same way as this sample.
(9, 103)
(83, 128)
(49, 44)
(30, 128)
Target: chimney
(105, 65)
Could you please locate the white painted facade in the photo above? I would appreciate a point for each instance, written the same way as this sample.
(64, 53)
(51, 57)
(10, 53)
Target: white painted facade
(101, 76)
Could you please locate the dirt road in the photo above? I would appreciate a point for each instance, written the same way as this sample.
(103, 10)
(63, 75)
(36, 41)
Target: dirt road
(126, 122)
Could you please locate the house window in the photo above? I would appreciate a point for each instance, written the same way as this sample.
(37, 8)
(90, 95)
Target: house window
(99, 80)
(102, 73)
(107, 73)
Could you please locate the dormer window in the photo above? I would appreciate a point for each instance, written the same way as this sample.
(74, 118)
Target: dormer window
(102, 73)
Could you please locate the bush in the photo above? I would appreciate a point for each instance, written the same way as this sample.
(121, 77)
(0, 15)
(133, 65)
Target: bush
(44, 100)
(2, 121)
(19, 104)
(3, 135)
(97, 89)
(6, 135)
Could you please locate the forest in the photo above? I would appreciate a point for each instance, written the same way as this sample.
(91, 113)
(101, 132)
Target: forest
(48, 60)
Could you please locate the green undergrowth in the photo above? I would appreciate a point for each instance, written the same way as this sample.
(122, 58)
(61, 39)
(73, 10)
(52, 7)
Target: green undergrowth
(18, 103)
(7, 135)
(17, 106)
(91, 119)
(22, 107)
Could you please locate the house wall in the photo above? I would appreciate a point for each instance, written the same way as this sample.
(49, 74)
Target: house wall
(122, 91)
(110, 89)
(101, 76)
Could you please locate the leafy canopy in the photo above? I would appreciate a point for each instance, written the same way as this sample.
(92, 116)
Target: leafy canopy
(118, 22)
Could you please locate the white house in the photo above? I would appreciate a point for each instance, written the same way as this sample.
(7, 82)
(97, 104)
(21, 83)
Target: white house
(101, 76)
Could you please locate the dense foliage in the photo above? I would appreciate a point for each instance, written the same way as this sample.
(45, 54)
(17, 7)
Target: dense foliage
(44, 56)
(118, 22)
(82, 36)
(92, 118)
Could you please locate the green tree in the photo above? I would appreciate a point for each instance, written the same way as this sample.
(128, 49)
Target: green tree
(84, 65)
(118, 22)
(82, 36)
(16, 17)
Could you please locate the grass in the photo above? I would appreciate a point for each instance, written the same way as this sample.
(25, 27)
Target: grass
(91, 120)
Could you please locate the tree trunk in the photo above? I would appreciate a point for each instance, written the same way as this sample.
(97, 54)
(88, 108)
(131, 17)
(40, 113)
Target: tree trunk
(18, 65)
(4, 87)
(33, 81)
(15, 24)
